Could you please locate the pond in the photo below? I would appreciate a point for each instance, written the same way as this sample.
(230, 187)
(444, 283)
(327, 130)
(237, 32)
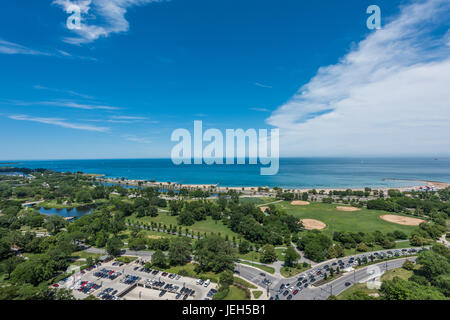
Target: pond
(70, 212)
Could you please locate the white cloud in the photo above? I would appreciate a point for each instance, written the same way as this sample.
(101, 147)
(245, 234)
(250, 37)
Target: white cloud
(59, 122)
(66, 104)
(71, 92)
(128, 118)
(109, 16)
(7, 47)
(260, 109)
(262, 85)
(137, 139)
(389, 95)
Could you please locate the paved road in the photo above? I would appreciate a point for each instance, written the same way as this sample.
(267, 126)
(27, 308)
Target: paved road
(257, 276)
(339, 285)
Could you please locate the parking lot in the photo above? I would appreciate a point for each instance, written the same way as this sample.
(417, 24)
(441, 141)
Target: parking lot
(118, 281)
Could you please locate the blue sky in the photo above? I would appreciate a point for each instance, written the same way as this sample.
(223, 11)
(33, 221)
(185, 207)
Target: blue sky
(139, 69)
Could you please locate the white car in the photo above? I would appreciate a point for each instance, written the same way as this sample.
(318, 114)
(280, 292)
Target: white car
(207, 282)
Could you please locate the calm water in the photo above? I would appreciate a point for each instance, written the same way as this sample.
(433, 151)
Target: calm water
(73, 212)
(293, 173)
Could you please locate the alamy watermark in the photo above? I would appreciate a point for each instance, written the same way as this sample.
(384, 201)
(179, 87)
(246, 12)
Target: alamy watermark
(74, 20)
(374, 280)
(374, 21)
(235, 147)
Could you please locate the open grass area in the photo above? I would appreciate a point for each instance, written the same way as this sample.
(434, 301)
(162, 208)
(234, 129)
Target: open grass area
(288, 272)
(85, 255)
(260, 266)
(252, 255)
(244, 283)
(257, 200)
(257, 294)
(209, 225)
(126, 259)
(236, 293)
(357, 221)
(126, 234)
(280, 254)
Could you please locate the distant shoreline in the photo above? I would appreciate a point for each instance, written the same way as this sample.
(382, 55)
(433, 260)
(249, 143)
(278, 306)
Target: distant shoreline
(437, 185)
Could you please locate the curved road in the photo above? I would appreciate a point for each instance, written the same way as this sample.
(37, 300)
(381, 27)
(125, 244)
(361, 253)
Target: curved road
(335, 287)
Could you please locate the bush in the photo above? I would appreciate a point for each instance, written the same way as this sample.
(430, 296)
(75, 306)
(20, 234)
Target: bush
(408, 265)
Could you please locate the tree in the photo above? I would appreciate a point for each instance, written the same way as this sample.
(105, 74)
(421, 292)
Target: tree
(244, 247)
(54, 223)
(226, 278)
(362, 247)
(159, 259)
(433, 264)
(10, 264)
(291, 256)
(179, 251)
(268, 254)
(213, 253)
(113, 246)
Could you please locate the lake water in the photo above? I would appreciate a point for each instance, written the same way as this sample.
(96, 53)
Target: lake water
(293, 173)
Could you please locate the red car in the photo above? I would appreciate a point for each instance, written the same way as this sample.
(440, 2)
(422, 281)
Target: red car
(164, 274)
(295, 292)
(56, 285)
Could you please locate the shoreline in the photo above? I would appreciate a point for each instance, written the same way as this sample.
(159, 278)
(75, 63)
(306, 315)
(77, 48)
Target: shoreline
(419, 185)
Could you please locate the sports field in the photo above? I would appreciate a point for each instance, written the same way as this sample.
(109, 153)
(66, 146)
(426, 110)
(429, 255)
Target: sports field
(336, 220)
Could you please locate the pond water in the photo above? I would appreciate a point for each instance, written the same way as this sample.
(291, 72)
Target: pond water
(71, 212)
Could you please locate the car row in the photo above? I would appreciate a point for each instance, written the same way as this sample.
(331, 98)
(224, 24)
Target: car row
(130, 279)
(88, 287)
(108, 294)
(106, 273)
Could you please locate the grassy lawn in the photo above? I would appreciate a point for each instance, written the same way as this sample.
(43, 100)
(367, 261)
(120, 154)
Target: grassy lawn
(257, 200)
(126, 259)
(363, 220)
(259, 266)
(29, 229)
(209, 225)
(244, 283)
(288, 272)
(280, 254)
(257, 294)
(85, 255)
(252, 255)
(125, 234)
(236, 293)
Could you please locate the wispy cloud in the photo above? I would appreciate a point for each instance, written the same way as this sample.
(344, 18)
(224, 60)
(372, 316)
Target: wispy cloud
(260, 109)
(137, 139)
(129, 118)
(262, 85)
(65, 104)
(71, 92)
(11, 48)
(59, 122)
(389, 95)
(73, 56)
(111, 12)
(7, 47)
